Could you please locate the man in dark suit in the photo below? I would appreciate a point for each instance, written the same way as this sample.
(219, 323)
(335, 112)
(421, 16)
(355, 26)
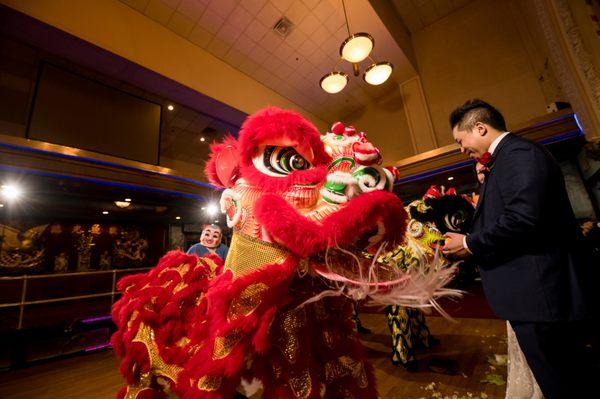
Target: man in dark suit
(524, 238)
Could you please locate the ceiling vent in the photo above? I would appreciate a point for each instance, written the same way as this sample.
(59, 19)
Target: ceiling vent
(283, 27)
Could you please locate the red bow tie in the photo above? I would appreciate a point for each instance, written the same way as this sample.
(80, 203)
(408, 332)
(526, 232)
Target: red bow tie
(486, 159)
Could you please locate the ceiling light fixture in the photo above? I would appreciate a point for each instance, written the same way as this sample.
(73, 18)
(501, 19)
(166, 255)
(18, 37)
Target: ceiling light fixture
(178, 217)
(212, 209)
(11, 192)
(354, 49)
(170, 107)
(105, 212)
(122, 204)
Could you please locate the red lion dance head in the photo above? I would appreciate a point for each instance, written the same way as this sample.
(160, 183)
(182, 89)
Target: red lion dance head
(287, 185)
(291, 196)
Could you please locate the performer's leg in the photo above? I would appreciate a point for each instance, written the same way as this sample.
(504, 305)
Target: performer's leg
(419, 331)
(402, 341)
(556, 356)
(359, 327)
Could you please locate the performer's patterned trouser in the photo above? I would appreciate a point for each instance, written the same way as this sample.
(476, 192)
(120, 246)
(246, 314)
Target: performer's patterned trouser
(409, 330)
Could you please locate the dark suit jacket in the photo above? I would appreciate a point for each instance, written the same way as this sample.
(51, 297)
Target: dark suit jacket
(524, 237)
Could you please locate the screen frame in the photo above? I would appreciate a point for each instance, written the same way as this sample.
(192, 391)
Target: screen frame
(31, 108)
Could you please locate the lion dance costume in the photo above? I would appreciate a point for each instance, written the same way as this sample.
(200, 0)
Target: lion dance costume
(438, 212)
(197, 328)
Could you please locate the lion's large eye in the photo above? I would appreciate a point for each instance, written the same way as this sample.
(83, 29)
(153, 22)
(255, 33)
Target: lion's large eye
(455, 221)
(282, 161)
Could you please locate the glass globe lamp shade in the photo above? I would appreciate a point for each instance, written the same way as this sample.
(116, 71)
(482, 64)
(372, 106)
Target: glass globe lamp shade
(334, 82)
(378, 73)
(357, 47)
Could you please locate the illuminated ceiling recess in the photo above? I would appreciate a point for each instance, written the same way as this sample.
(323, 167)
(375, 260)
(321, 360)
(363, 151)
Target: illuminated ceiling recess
(354, 49)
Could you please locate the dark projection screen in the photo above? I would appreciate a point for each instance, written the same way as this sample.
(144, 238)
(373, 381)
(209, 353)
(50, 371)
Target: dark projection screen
(77, 112)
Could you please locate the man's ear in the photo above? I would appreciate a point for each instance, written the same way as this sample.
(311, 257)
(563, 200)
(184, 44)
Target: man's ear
(481, 128)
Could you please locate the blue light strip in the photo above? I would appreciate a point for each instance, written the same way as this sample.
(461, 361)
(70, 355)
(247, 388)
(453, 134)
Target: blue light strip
(97, 347)
(102, 182)
(107, 163)
(546, 123)
(434, 172)
(578, 122)
(564, 136)
(96, 319)
(425, 175)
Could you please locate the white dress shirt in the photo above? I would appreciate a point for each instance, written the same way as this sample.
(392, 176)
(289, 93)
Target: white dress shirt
(495, 143)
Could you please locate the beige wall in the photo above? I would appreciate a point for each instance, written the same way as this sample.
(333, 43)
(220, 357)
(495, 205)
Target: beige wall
(384, 121)
(477, 51)
(417, 115)
(118, 28)
(588, 29)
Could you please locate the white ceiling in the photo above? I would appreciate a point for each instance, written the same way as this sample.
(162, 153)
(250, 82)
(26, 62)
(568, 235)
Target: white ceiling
(239, 32)
(418, 14)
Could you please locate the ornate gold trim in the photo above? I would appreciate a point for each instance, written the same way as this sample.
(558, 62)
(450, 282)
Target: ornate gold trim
(159, 367)
(224, 345)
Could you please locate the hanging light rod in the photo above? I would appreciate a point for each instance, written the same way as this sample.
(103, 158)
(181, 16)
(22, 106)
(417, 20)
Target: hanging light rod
(356, 48)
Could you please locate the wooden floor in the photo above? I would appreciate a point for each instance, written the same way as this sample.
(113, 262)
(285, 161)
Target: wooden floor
(469, 342)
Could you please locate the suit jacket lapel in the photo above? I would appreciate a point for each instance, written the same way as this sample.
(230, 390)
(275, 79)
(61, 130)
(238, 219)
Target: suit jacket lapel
(480, 200)
(502, 143)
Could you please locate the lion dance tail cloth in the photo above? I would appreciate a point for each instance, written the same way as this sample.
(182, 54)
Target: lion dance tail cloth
(277, 311)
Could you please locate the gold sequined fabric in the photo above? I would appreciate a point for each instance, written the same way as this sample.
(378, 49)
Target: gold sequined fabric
(346, 366)
(290, 324)
(181, 269)
(329, 338)
(247, 254)
(134, 390)
(320, 310)
(250, 299)
(224, 345)
(209, 383)
(134, 315)
(346, 394)
(277, 370)
(301, 385)
(159, 367)
(211, 265)
(183, 341)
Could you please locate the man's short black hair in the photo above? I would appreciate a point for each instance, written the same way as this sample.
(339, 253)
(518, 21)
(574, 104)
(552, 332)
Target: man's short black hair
(474, 111)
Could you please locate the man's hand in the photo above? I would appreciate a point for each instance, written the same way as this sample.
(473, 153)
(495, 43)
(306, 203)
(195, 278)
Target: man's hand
(453, 247)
